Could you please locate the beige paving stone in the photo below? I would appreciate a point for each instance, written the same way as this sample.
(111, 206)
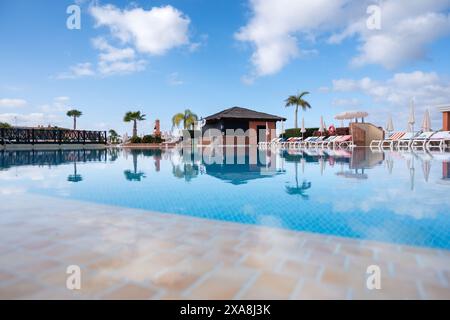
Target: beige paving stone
(130, 291)
(435, 262)
(175, 279)
(339, 277)
(436, 292)
(19, 289)
(313, 290)
(300, 269)
(356, 251)
(327, 259)
(391, 288)
(39, 267)
(6, 276)
(220, 285)
(262, 262)
(275, 286)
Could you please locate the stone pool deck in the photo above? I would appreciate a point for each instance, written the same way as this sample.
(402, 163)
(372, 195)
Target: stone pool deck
(134, 254)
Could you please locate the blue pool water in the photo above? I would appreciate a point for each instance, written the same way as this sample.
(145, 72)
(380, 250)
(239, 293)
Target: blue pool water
(386, 196)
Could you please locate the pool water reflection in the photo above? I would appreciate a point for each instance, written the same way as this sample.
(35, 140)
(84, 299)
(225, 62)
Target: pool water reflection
(385, 196)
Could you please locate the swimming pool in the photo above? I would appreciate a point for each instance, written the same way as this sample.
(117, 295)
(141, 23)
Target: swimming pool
(385, 196)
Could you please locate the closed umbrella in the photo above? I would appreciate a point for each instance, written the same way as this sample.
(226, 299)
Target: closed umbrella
(390, 125)
(322, 129)
(303, 130)
(412, 117)
(426, 122)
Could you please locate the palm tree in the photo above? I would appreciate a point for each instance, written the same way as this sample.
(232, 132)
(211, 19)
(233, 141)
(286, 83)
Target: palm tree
(75, 114)
(113, 136)
(298, 101)
(135, 117)
(188, 118)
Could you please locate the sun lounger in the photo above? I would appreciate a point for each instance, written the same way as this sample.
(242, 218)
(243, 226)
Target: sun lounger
(343, 141)
(421, 140)
(346, 142)
(325, 142)
(330, 142)
(391, 141)
(267, 143)
(439, 140)
(285, 142)
(294, 142)
(315, 143)
(306, 142)
(405, 141)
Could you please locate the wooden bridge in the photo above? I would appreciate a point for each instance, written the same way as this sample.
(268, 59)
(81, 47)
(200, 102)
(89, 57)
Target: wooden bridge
(50, 136)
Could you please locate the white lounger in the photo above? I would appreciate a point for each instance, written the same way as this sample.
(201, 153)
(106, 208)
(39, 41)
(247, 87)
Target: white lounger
(421, 140)
(391, 141)
(439, 140)
(377, 143)
(405, 141)
(305, 142)
(315, 143)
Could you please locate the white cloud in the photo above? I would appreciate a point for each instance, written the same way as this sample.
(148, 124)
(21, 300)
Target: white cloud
(407, 28)
(114, 60)
(77, 71)
(279, 29)
(12, 103)
(153, 31)
(395, 94)
(276, 25)
(352, 102)
(59, 104)
(173, 79)
(31, 119)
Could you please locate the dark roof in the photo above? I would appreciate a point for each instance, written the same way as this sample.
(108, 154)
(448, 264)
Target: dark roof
(243, 113)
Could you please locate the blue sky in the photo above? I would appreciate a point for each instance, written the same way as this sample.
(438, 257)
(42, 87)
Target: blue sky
(211, 55)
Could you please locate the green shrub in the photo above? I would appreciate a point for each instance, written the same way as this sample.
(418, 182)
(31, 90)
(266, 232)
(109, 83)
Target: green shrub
(5, 125)
(151, 139)
(297, 132)
(135, 140)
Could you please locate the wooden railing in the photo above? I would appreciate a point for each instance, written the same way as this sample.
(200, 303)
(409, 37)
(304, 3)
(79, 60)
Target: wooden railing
(51, 136)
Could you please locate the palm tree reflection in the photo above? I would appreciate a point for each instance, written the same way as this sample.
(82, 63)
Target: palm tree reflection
(298, 189)
(134, 175)
(75, 177)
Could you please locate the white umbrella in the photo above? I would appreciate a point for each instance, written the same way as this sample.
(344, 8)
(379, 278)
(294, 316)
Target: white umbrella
(282, 127)
(412, 117)
(426, 122)
(390, 124)
(322, 129)
(303, 130)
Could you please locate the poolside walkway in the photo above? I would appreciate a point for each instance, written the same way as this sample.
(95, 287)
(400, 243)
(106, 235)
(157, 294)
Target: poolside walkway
(134, 254)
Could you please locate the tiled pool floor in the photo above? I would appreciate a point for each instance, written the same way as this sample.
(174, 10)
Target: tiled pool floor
(126, 253)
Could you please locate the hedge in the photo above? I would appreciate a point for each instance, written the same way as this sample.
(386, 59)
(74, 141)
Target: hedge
(297, 132)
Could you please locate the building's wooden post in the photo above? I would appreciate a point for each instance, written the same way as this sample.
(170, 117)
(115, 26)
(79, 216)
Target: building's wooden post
(446, 120)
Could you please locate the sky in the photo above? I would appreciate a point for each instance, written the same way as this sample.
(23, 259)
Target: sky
(162, 57)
